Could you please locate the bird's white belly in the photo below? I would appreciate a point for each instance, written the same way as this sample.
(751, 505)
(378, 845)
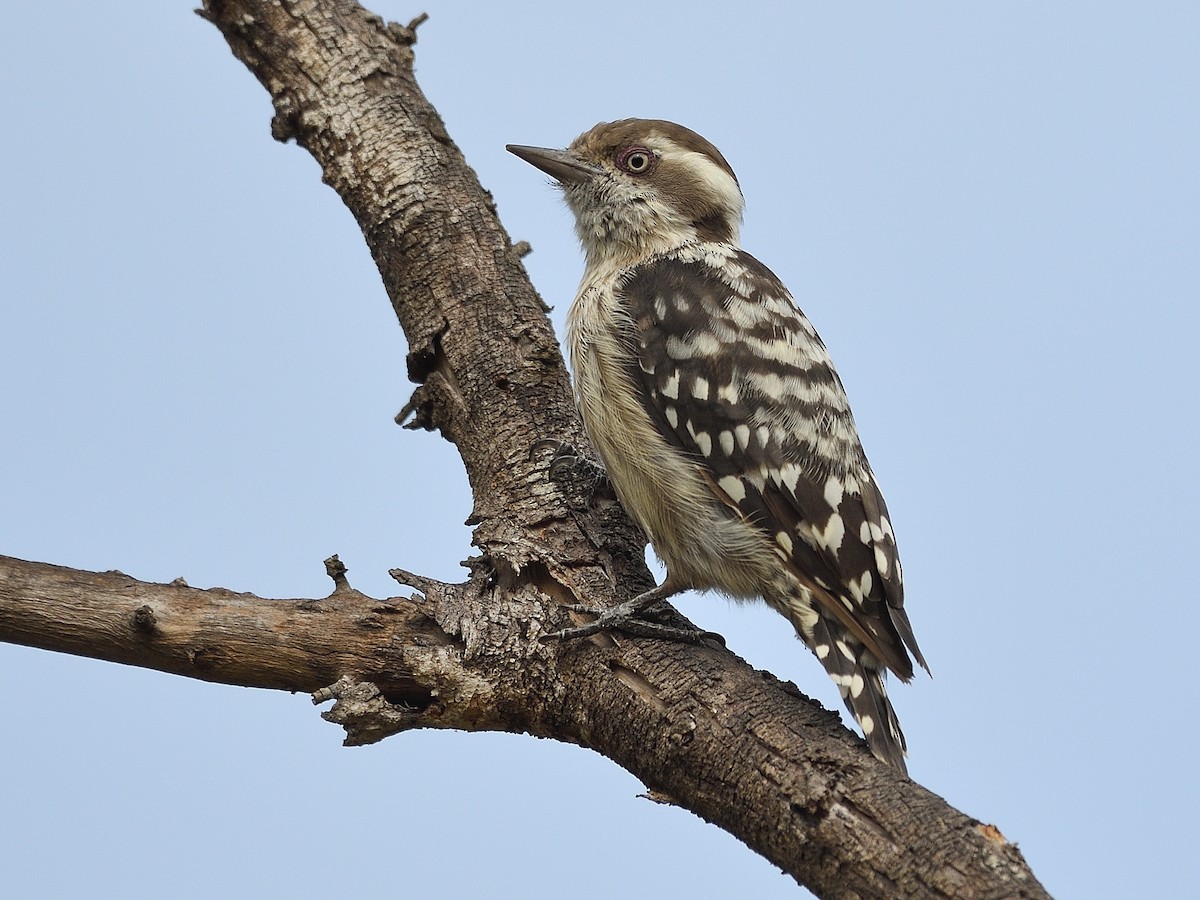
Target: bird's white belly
(700, 540)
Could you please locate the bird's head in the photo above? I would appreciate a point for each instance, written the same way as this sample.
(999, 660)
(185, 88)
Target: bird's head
(642, 186)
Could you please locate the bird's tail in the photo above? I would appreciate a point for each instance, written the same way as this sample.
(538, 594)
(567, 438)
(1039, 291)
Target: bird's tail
(859, 678)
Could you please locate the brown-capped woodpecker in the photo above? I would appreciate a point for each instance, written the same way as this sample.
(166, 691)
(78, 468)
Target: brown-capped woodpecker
(717, 413)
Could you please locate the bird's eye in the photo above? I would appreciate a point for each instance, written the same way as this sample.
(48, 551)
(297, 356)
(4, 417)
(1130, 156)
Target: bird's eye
(637, 160)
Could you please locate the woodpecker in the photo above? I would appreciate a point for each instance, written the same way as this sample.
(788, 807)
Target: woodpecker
(718, 416)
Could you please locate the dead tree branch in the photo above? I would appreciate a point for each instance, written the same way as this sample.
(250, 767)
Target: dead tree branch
(695, 723)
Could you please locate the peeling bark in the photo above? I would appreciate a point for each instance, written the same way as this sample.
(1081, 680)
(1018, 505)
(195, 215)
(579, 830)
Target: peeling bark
(696, 724)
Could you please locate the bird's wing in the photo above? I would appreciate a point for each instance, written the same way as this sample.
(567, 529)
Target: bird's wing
(733, 372)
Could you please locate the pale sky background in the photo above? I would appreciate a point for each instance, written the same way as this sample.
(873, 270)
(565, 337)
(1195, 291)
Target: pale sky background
(990, 211)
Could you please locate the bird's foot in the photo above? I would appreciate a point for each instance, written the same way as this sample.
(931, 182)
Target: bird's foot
(566, 462)
(630, 618)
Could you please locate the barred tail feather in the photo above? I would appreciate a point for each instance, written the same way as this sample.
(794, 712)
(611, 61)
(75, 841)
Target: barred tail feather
(885, 738)
(862, 690)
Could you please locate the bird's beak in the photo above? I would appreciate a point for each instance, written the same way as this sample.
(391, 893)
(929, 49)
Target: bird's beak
(562, 165)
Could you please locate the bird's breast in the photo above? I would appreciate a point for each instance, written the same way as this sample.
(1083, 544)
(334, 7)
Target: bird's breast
(659, 486)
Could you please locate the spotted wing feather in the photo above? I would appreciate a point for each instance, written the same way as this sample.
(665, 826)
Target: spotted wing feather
(733, 372)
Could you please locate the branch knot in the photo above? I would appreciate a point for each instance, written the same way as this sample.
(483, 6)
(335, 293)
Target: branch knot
(362, 711)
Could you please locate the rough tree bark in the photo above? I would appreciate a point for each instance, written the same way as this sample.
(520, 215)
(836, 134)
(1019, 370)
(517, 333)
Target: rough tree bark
(696, 724)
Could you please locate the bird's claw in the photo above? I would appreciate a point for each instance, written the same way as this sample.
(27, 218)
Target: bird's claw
(565, 459)
(546, 444)
(627, 619)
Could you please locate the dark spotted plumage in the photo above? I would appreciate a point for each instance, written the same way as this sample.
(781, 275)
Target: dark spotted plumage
(774, 434)
(715, 407)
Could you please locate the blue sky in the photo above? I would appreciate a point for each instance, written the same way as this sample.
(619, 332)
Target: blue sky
(989, 210)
